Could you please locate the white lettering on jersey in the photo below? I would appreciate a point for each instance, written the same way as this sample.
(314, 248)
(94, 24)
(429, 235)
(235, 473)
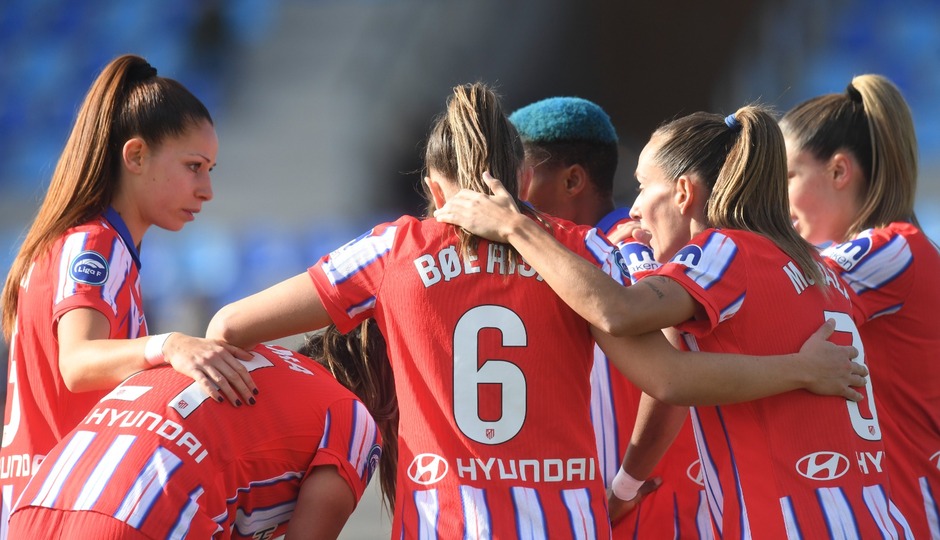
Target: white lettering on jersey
(527, 470)
(163, 427)
(866, 458)
(447, 265)
(801, 281)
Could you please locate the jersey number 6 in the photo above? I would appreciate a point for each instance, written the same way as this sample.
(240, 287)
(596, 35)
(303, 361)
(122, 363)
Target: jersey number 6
(469, 374)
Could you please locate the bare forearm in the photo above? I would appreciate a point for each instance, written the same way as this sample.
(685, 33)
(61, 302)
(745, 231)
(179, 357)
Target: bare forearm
(285, 309)
(684, 378)
(656, 428)
(594, 295)
(101, 364)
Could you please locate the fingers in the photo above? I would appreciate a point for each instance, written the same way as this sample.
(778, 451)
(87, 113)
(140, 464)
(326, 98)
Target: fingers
(241, 372)
(643, 236)
(852, 395)
(233, 381)
(238, 352)
(216, 367)
(826, 329)
(650, 486)
(859, 369)
(207, 386)
(495, 185)
(853, 353)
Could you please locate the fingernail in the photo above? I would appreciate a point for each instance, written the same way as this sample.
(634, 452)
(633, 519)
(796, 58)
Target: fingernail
(219, 399)
(251, 401)
(254, 391)
(238, 403)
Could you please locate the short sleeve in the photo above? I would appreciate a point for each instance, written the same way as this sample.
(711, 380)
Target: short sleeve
(351, 442)
(348, 279)
(94, 267)
(878, 266)
(710, 270)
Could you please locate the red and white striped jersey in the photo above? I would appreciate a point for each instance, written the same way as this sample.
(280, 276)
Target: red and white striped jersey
(795, 465)
(492, 372)
(892, 273)
(94, 265)
(160, 455)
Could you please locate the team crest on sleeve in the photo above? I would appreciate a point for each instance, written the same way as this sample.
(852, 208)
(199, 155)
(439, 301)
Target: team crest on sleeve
(89, 267)
(621, 263)
(636, 258)
(689, 256)
(850, 253)
(373, 461)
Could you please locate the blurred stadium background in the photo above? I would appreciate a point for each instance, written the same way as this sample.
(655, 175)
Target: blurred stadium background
(322, 105)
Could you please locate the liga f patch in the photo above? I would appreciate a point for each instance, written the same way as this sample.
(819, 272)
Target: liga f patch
(89, 267)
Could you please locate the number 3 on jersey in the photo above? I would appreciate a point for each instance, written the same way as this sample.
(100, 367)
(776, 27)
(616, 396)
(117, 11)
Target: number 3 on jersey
(866, 428)
(469, 374)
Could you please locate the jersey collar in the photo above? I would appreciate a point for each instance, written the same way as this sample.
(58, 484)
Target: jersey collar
(615, 216)
(115, 220)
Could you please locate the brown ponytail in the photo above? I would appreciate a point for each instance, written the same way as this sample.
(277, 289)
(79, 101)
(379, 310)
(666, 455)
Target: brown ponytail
(742, 160)
(126, 100)
(471, 137)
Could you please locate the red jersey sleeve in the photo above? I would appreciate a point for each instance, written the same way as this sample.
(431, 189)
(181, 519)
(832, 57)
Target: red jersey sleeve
(878, 267)
(94, 266)
(351, 442)
(708, 269)
(359, 266)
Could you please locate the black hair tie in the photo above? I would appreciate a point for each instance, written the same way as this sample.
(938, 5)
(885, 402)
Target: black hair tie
(141, 72)
(853, 93)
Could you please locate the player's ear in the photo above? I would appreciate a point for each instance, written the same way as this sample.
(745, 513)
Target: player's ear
(841, 167)
(133, 153)
(684, 194)
(437, 194)
(576, 179)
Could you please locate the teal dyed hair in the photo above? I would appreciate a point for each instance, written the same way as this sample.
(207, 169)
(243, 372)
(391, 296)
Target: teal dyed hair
(564, 119)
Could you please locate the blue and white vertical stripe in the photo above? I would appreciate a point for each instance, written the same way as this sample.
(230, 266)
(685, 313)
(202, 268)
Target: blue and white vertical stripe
(357, 254)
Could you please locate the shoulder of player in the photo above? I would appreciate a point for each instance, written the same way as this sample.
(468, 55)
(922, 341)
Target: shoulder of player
(95, 235)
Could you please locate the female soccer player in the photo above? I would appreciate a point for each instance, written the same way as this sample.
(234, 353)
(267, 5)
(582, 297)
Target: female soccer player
(571, 147)
(852, 160)
(491, 368)
(158, 458)
(783, 466)
(138, 155)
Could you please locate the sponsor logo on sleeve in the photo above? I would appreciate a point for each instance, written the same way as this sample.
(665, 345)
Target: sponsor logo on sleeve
(850, 253)
(638, 259)
(427, 469)
(89, 267)
(823, 466)
(689, 256)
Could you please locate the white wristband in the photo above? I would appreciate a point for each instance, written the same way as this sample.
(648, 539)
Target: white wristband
(153, 350)
(625, 487)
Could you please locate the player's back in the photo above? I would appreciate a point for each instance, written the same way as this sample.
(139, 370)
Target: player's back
(886, 269)
(793, 464)
(492, 371)
(160, 455)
